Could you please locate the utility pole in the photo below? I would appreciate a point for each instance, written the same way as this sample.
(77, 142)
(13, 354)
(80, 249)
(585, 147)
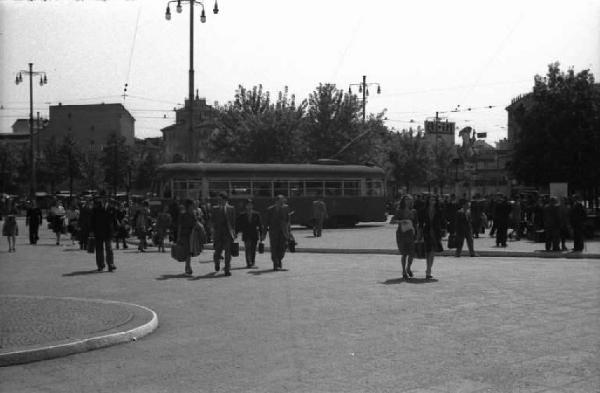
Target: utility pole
(363, 88)
(43, 81)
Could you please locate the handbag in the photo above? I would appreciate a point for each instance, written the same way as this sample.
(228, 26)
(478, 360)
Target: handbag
(235, 249)
(91, 244)
(261, 248)
(452, 241)
(292, 245)
(178, 252)
(419, 249)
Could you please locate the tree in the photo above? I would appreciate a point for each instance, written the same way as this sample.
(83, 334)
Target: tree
(560, 130)
(51, 165)
(332, 121)
(115, 158)
(91, 170)
(146, 171)
(442, 154)
(9, 165)
(252, 128)
(410, 158)
(70, 156)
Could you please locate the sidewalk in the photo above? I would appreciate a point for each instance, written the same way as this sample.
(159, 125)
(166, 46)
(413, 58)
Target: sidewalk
(35, 328)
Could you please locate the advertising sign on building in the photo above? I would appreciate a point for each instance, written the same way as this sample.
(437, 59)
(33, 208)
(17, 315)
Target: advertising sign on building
(439, 127)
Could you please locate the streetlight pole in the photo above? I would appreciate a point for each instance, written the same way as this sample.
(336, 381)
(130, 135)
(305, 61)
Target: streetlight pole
(363, 88)
(43, 81)
(191, 153)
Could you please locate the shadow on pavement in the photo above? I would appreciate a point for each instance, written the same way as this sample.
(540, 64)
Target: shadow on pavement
(169, 276)
(81, 273)
(244, 268)
(259, 272)
(401, 280)
(209, 275)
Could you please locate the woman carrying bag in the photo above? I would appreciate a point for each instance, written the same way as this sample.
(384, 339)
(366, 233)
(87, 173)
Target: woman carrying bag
(182, 250)
(430, 223)
(406, 218)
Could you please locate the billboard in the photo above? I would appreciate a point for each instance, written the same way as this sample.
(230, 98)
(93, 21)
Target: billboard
(439, 127)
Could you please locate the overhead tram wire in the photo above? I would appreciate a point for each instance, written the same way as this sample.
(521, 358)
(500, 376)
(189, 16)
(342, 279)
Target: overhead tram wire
(137, 22)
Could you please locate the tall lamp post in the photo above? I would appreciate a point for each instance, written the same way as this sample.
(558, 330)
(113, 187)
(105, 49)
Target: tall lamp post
(363, 88)
(179, 8)
(43, 81)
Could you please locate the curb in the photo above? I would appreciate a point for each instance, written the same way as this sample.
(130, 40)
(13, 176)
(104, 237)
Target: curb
(83, 345)
(445, 253)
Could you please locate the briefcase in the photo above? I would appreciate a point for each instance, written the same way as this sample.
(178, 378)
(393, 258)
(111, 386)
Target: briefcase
(292, 245)
(235, 249)
(91, 245)
(452, 241)
(261, 247)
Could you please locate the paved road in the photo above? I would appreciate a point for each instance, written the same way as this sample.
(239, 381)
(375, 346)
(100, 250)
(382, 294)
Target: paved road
(331, 323)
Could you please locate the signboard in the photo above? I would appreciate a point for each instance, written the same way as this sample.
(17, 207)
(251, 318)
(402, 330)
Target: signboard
(439, 127)
(559, 189)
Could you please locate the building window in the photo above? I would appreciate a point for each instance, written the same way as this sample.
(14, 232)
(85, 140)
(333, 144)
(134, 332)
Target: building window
(351, 187)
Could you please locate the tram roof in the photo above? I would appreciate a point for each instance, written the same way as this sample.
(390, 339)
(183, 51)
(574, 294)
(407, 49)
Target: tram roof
(274, 169)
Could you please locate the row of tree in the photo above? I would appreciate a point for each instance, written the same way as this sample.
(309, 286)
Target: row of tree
(559, 140)
(63, 164)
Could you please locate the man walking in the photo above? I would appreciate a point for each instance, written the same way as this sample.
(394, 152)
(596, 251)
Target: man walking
(102, 224)
(319, 209)
(277, 224)
(250, 225)
(223, 220)
(501, 213)
(33, 220)
(464, 230)
(552, 225)
(577, 218)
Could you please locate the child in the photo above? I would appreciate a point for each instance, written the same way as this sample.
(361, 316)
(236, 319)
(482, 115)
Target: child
(10, 230)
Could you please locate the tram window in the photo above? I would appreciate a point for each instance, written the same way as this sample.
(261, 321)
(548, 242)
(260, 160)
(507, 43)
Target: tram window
(280, 187)
(262, 188)
(351, 188)
(216, 187)
(333, 188)
(314, 188)
(240, 188)
(296, 188)
(374, 188)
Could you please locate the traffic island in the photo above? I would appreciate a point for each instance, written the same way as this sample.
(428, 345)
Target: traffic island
(34, 328)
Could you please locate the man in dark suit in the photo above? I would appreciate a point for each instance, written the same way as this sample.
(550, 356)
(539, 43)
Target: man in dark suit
(250, 225)
(102, 225)
(223, 221)
(464, 229)
(501, 213)
(577, 216)
(277, 224)
(33, 220)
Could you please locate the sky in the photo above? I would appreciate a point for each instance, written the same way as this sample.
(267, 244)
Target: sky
(428, 56)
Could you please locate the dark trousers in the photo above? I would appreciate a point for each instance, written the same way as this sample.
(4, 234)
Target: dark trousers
(119, 240)
(460, 239)
(552, 239)
(104, 246)
(577, 238)
(278, 243)
(250, 247)
(222, 242)
(83, 239)
(33, 234)
(501, 234)
(318, 227)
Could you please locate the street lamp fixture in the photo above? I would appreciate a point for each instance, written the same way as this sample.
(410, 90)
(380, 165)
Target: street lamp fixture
(179, 9)
(363, 88)
(43, 81)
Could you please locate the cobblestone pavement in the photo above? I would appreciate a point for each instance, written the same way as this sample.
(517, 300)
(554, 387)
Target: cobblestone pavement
(329, 323)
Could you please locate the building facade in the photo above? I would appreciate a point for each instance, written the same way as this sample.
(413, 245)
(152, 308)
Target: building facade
(177, 144)
(90, 125)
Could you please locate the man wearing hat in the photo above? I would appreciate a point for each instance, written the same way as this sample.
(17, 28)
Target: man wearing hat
(223, 220)
(277, 224)
(102, 224)
(249, 224)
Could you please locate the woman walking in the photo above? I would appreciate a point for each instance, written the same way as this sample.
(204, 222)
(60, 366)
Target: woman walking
(10, 228)
(163, 223)
(406, 218)
(57, 220)
(142, 224)
(186, 223)
(430, 223)
(72, 217)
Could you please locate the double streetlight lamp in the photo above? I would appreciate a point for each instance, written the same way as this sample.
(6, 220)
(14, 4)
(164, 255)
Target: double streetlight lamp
(179, 9)
(363, 88)
(43, 81)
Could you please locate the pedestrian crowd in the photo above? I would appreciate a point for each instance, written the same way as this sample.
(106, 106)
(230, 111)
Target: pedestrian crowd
(424, 219)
